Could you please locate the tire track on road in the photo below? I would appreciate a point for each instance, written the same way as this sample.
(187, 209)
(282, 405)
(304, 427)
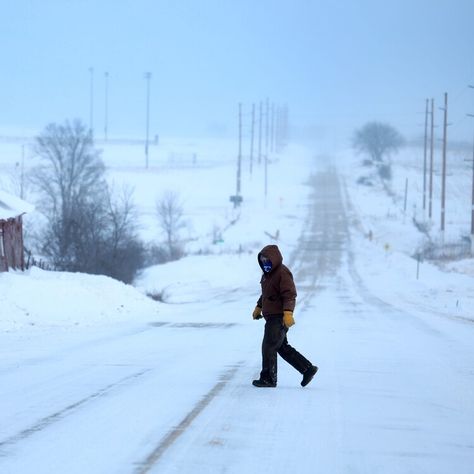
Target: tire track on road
(150, 461)
(47, 421)
(324, 239)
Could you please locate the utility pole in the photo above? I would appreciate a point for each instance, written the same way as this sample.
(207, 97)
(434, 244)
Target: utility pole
(472, 198)
(237, 198)
(472, 202)
(443, 183)
(260, 133)
(424, 158)
(239, 157)
(91, 101)
(147, 77)
(430, 206)
(252, 138)
(106, 115)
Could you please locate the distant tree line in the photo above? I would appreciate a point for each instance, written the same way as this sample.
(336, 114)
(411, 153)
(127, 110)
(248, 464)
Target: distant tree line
(89, 227)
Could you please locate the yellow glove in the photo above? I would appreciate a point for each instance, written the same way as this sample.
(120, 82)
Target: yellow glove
(257, 312)
(288, 319)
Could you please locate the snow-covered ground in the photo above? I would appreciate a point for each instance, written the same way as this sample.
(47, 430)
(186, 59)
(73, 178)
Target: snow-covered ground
(98, 377)
(386, 240)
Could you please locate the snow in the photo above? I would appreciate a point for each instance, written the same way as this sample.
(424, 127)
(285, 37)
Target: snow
(12, 206)
(394, 272)
(98, 377)
(60, 299)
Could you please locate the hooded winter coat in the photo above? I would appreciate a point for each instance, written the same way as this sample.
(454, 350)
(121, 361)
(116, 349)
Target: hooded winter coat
(278, 288)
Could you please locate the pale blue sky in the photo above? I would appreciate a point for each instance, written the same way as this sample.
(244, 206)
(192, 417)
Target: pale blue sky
(337, 64)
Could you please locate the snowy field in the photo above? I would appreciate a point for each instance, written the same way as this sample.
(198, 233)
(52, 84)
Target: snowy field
(395, 240)
(97, 377)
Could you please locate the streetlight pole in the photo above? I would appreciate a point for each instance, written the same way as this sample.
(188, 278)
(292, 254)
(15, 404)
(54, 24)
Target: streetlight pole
(91, 101)
(106, 105)
(252, 134)
(239, 157)
(260, 132)
(424, 158)
(147, 77)
(267, 124)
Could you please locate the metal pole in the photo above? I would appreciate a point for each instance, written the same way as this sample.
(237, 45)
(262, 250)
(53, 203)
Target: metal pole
(91, 101)
(443, 184)
(239, 158)
(430, 206)
(260, 132)
(147, 77)
(472, 197)
(472, 200)
(252, 138)
(106, 120)
(266, 146)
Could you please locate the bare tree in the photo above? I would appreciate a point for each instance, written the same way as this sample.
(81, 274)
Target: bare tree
(377, 140)
(87, 230)
(124, 253)
(170, 215)
(70, 180)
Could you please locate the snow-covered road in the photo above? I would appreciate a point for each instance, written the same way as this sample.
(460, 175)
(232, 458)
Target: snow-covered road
(393, 395)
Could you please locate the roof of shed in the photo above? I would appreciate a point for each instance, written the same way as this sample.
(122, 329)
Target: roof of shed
(12, 206)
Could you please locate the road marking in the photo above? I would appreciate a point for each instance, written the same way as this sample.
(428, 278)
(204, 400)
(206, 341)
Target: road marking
(177, 431)
(59, 415)
(192, 325)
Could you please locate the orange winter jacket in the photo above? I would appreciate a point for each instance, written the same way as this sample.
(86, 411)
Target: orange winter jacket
(278, 288)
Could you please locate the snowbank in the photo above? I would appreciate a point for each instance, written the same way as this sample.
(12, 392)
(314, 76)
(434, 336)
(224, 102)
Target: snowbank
(59, 299)
(204, 176)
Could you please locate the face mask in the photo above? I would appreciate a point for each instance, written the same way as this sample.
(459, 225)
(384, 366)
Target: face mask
(267, 267)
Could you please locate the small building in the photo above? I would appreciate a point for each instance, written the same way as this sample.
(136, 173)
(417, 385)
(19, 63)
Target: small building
(12, 253)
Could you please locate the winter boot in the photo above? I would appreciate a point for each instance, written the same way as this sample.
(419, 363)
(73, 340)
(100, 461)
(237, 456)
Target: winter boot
(308, 375)
(263, 383)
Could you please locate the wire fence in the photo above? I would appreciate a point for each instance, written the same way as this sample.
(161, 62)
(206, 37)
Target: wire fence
(447, 251)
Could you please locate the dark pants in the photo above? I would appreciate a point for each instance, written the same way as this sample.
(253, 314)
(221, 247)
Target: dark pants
(275, 342)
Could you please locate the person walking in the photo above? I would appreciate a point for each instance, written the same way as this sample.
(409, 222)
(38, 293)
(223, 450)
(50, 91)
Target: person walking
(276, 305)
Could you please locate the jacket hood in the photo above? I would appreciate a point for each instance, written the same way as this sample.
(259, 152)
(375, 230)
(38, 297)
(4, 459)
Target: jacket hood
(272, 252)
